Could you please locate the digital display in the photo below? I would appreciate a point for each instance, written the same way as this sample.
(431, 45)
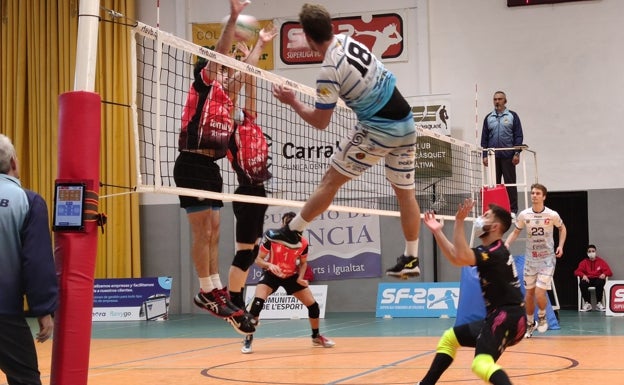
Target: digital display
(517, 3)
(69, 207)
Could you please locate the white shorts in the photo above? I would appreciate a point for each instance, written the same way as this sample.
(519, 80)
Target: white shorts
(364, 146)
(538, 272)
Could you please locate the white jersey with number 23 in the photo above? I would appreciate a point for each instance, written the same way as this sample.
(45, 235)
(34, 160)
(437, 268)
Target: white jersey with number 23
(540, 230)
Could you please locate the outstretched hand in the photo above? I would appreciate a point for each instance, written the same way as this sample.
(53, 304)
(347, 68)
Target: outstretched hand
(283, 94)
(267, 33)
(243, 49)
(464, 209)
(431, 222)
(237, 6)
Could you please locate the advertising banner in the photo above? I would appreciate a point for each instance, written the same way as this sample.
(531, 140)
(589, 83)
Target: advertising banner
(383, 33)
(614, 297)
(207, 35)
(341, 245)
(279, 305)
(432, 112)
(131, 299)
(427, 299)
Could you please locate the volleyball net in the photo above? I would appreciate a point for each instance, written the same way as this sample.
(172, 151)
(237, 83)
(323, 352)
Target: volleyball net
(447, 170)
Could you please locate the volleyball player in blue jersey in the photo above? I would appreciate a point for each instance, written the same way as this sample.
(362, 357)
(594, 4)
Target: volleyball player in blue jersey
(385, 129)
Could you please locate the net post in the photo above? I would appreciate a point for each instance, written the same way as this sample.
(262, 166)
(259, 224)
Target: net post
(75, 254)
(86, 54)
(133, 104)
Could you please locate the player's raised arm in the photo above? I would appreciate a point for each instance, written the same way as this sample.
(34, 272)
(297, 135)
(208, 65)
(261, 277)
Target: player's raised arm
(464, 256)
(224, 44)
(236, 81)
(446, 246)
(318, 118)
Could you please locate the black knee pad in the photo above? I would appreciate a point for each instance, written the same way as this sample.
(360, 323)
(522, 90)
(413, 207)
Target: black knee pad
(313, 310)
(243, 259)
(256, 306)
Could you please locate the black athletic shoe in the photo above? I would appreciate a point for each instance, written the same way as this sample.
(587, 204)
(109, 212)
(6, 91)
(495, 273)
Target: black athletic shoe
(285, 236)
(246, 349)
(406, 266)
(242, 323)
(217, 303)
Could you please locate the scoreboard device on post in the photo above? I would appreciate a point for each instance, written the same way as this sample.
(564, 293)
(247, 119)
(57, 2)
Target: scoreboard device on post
(69, 200)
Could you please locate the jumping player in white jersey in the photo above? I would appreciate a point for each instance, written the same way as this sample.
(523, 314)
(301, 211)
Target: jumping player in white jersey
(385, 129)
(541, 255)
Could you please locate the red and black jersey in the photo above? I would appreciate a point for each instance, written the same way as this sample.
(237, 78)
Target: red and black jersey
(286, 258)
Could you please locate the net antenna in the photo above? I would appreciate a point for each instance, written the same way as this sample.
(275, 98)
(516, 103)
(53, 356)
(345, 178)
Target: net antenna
(158, 14)
(299, 154)
(476, 115)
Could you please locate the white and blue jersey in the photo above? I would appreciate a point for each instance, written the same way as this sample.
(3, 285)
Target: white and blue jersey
(352, 73)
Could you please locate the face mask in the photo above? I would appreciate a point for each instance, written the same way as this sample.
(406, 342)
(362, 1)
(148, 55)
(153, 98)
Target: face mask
(481, 227)
(592, 255)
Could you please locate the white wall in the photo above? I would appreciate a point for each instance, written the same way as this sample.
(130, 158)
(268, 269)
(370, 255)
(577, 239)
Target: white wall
(559, 64)
(561, 68)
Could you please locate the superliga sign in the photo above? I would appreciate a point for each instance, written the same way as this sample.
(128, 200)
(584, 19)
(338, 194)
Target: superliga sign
(383, 33)
(614, 291)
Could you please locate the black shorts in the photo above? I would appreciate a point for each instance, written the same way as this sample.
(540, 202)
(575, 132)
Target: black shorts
(396, 108)
(502, 327)
(18, 356)
(249, 216)
(199, 172)
(289, 284)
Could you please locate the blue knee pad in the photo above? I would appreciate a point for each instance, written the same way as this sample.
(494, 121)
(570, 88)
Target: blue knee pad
(243, 259)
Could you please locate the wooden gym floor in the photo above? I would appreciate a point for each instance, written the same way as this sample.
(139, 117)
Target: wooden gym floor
(200, 349)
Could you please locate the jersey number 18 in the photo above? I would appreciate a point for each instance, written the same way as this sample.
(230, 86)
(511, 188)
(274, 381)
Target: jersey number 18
(359, 58)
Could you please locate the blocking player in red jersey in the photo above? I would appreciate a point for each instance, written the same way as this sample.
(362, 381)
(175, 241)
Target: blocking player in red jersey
(284, 266)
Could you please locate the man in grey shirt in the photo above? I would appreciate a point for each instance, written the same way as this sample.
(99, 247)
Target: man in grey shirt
(27, 266)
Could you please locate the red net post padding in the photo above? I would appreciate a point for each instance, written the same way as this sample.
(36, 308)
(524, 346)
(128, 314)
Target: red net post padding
(75, 252)
(497, 195)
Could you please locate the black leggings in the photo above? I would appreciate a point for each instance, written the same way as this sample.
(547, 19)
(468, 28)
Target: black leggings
(18, 357)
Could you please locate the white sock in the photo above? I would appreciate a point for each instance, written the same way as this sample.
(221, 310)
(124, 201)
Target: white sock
(216, 281)
(411, 248)
(530, 319)
(298, 223)
(205, 283)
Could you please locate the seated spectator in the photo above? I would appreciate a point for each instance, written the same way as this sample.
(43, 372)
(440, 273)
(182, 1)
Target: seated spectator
(593, 271)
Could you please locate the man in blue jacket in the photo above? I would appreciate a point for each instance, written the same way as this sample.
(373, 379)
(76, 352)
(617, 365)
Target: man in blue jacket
(27, 267)
(502, 129)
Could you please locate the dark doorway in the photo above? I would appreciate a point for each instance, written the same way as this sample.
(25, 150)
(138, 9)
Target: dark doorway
(572, 207)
